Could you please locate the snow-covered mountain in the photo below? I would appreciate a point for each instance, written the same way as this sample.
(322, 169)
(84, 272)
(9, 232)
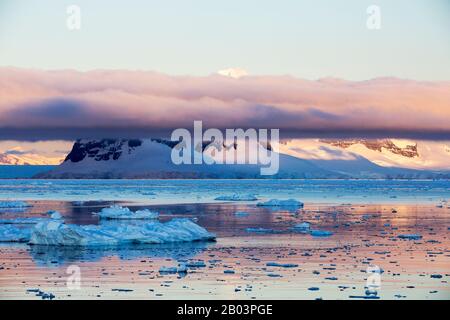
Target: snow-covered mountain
(151, 158)
(420, 155)
(28, 159)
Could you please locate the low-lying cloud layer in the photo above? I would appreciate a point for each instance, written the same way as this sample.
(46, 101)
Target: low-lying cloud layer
(67, 104)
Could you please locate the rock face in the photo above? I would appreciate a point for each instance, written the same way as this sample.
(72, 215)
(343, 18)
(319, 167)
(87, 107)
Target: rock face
(101, 150)
(409, 151)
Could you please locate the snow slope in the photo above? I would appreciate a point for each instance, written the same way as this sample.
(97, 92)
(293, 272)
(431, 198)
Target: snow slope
(420, 155)
(151, 158)
(306, 158)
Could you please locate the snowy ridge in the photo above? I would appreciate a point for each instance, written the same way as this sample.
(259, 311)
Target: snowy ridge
(304, 159)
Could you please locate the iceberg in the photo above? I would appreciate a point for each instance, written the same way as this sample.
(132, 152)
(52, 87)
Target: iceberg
(9, 233)
(237, 197)
(57, 233)
(281, 203)
(118, 212)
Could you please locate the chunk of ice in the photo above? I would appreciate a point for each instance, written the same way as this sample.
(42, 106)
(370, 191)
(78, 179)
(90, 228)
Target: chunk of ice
(9, 233)
(282, 265)
(59, 234)
(302, 227)
(118, 212)
(320, 233)
(410, 236)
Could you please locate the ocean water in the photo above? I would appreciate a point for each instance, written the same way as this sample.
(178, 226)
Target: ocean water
(365, 220)
(242, 264)
(205, 191)
(22, 171)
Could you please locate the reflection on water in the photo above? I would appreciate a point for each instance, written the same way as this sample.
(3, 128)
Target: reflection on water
(363, 234)
(54, 256)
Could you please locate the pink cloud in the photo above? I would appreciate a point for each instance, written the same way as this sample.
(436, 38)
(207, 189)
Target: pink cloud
(58, 100)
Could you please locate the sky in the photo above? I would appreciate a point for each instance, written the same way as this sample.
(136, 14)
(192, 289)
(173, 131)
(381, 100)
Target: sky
(305, 39)
(134, 68)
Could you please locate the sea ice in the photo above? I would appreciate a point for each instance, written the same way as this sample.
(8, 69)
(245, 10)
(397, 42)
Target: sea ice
(10, 233)
(281, 203)
(302, 227)
(196, 264)
(410, 236)
(54, 216)
(171, 270)
(118, 212)
(60, 234)
(320, 233)
(282, 265)
(237, 197)
(168, 270)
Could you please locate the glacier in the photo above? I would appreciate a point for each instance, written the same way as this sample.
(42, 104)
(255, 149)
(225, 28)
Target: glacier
(118, 212)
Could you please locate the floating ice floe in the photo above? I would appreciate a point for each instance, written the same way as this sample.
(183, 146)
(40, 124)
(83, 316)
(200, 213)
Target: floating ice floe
(14, 204)
(196, 264)
(237, 197)
(171, 270)
(320, 233)
(410, 236)
(302, 227)
(9, 233)
(54, 216)
(118, 212)
(59, 234)
(282, 265)
(281, 203)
